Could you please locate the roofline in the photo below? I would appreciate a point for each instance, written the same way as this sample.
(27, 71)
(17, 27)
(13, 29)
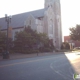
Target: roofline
(13, 28)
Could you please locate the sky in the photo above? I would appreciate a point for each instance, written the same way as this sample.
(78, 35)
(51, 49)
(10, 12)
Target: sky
(70, 12)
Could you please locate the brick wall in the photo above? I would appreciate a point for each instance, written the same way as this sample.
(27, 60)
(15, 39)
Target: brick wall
(68, 39)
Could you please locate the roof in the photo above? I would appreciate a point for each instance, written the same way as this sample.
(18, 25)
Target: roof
(18, 20)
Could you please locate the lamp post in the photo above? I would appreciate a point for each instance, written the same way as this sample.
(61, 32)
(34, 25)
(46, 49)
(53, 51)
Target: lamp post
(8, 21)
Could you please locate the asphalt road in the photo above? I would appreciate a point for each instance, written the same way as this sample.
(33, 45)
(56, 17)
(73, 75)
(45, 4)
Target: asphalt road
(53, 67)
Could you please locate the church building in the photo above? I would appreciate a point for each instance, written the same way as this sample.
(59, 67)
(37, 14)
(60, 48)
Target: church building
(46, 20)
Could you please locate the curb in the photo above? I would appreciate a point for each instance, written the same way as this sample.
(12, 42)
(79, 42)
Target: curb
(37, 55)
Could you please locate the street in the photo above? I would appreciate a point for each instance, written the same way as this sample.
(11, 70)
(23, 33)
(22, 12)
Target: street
(53, 67)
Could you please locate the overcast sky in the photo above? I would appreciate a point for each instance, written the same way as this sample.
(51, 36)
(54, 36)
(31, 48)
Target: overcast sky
(70, 11)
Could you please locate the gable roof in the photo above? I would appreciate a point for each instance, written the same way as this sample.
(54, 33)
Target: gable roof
(18, 20)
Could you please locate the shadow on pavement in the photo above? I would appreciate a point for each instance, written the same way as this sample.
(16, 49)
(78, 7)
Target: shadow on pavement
(42, 67)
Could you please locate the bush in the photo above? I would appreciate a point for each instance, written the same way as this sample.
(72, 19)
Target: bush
(48, 50)
(62, 47)
(65, 45)
(35, 51)
(43, 49)
(29, 41)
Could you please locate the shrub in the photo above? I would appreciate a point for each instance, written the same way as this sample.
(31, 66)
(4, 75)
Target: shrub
(65, 45)
(29, 41)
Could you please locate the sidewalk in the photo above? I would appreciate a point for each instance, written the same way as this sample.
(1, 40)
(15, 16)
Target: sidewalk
(19, 56)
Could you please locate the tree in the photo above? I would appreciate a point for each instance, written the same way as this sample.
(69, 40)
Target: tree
(47, 44)
(75, 33)
(29, 40)
(2, 40)
(43, 38)
(24, 41)
(65, 45)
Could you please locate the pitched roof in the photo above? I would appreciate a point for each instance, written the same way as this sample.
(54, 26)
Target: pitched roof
(18, 20)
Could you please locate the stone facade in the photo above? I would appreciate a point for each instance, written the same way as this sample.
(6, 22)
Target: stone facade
(54, 20)
(47, 20)
(50, 23)
(30, 21)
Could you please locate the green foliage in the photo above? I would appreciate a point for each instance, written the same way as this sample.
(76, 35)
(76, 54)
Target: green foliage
(2, 40)
(29, 41)
(65, 45)
(23, 41)
(43, 38)
(75, 33)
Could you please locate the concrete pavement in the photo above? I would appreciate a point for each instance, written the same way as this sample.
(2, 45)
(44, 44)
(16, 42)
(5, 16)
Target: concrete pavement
(19, 55)
(52, 67)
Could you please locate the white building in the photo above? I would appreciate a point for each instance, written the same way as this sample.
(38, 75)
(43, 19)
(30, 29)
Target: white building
(47, 20)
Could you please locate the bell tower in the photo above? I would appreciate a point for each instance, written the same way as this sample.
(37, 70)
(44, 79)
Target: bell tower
(55, 5)
(48, 3)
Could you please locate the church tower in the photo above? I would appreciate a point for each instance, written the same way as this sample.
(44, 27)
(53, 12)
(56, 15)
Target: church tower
(55, 4)
(57, 36)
